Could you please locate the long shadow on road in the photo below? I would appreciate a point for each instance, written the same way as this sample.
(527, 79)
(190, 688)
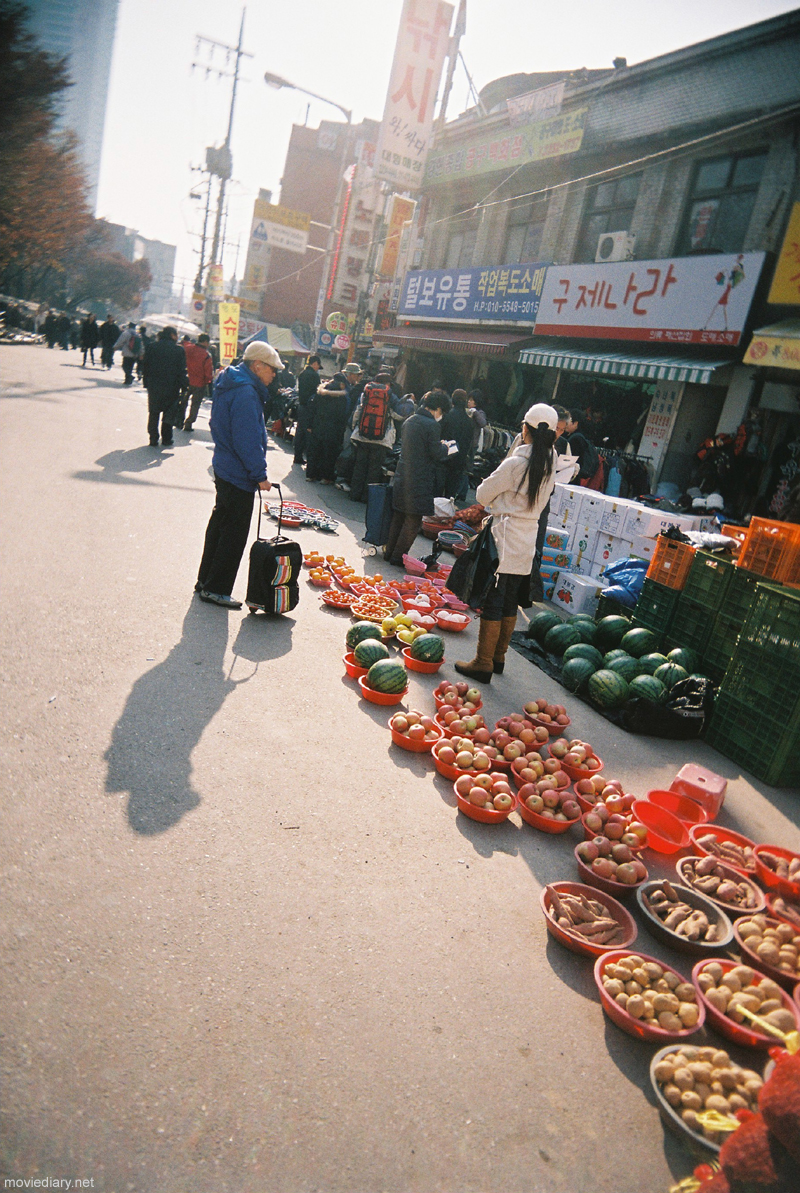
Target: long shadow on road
(171, 705)
(116, 466)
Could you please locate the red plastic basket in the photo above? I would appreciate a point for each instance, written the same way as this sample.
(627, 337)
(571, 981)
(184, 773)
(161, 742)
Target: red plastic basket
(671, 562)
(577, 944)
(638, 1027)
(738, 1032)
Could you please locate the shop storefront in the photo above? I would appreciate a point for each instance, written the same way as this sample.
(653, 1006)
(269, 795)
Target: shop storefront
(773, 424)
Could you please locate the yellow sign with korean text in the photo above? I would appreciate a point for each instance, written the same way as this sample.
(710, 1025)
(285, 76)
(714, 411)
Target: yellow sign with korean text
(771, 350)
(509, 148)
(228, 331)
(402, 210)
(785, 289)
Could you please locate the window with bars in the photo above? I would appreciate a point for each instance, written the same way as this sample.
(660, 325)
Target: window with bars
(524, 231)
(608, 208)
(721, 202)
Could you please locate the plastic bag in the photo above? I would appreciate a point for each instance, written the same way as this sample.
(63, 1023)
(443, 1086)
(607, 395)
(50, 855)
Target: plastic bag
(628, 574)
(681, 717)
(623, 596)
(444, 507)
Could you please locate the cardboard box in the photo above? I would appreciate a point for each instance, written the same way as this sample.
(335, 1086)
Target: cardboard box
(592, 508)
(608, 550)
(643, 547)
(556, 539)
(649, 523)
(577, 594)
(557, 501)
(549, 572)
(549, 588)
(557, 559)
(615, 511)
(570, 510)
(581, 544)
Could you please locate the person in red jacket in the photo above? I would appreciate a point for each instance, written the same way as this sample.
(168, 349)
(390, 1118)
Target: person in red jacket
(200, 369)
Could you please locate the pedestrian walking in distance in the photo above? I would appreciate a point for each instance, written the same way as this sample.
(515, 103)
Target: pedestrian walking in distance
(326, 425)
(200, 369)
(90, 337)
(307, 386)
(240, 468)
(164, 378)
(109, 334)
(516, 493)
(130, 344)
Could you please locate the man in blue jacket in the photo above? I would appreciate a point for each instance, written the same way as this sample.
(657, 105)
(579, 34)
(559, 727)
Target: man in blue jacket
(240, 467)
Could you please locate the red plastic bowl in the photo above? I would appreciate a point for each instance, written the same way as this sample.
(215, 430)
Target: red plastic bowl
(740, 1033)
(543, 823)
(484, 815)
(379, 697)
(408, 743)
(351, 666)
(732, 910)
(418, 664)
(773, 911)
(782, 976)
(665, 833)
(324, 582)
(722, 834)
(618, 889)
(580, 772)
(687, 810)
(577, 944)
(769, 879)
(447, 769)
(452, 626)
(588, 835)
(553, 729)
(636, 1027)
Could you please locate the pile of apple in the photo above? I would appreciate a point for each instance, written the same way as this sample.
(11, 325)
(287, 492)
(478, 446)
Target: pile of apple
(592, 789)
(547, 799)
(415, 725)
(457, 695)
(464, 724)
(531, 767)
(612, 860)
(542, 710)
(465, 754)
(611, 817)
(517, 726)
(489, 791)
(575, 753)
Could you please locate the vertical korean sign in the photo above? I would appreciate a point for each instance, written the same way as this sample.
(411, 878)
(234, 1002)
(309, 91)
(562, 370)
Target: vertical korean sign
(422, 45)
(228, 331)
(660, 423)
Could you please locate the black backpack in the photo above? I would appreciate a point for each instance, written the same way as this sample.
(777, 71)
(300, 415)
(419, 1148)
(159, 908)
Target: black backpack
(374, 419)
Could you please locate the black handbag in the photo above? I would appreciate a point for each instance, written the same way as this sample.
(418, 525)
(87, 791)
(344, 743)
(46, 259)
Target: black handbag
(473, 573)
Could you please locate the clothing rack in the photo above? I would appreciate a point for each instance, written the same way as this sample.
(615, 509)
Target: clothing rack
(611, 452)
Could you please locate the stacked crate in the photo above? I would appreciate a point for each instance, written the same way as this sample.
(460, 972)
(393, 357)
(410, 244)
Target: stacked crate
(655, 609)
(756, 718)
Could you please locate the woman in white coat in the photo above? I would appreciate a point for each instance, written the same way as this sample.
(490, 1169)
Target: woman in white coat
(516, 493)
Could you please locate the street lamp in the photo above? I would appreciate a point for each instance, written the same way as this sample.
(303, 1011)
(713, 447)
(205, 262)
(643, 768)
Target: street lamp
(278, 82)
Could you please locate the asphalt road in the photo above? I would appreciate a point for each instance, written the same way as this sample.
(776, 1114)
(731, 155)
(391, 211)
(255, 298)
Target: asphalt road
(249, 946)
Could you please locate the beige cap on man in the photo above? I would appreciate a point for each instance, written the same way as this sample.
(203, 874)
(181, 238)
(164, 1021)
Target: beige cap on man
(258, 350)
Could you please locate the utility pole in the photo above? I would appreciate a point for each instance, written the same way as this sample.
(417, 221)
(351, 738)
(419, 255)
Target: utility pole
(198, 281)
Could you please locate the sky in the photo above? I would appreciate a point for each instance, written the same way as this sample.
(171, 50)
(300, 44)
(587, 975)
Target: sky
(162, 112)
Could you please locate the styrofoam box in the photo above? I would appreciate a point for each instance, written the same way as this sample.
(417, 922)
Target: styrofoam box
(582, 541)
(592, 508)
(570, 510)
(556, 539)
(609, 547)
(557, 501)
(548, 572)
(643, 521)
(643, 547)
(615, 511)
(577, 594)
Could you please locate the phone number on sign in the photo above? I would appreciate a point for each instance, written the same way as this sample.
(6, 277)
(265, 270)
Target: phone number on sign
(507, 307)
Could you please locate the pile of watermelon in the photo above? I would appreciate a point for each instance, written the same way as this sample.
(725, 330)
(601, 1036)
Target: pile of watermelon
(611, 660)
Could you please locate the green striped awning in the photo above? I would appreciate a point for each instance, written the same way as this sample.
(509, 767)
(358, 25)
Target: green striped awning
(616, 364)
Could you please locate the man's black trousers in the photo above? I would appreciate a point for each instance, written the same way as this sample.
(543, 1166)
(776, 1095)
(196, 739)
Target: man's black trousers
(226, 538)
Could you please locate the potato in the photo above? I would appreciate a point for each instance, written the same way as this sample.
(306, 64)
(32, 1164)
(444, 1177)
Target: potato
(769, 989)
(736, 1102)
(703, 1091)
(715, 1102)
(639, 975)
(705, 980)
(683, 1079)
(784, 1020)
(669, 1021)
(653, 971)
(661, 986)
(718, 1000)
(707, 1054)
(744, 973)
(671, 979)
(632, 987)
(700, 1070)
(726, 990)
(720, 1059)
(665, 1002)
(672, 1094)
(715, 970)
(664, 1070)
(768, 951)
(684, 992)
(727, 1078)
(691, 1100)
(786, 932)
(748, 929)
(614, 986)
(690, 1118)
(690, 1052)
(636, 1005)
(769, 1005)
(732, 982)
(621, 1000)
(688, 1013)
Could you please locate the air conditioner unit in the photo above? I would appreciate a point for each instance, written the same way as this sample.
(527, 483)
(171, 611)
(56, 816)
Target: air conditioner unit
(615, 246)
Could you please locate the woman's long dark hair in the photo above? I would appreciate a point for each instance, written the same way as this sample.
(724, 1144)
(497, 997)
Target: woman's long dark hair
(540, 465)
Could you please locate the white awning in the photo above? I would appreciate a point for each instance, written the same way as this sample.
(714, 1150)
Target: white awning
(622, 364)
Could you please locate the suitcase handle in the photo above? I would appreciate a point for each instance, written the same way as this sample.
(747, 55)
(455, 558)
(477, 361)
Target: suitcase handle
(275, 485)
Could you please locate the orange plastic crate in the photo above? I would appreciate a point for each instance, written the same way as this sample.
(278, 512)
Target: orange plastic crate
(772, 550)
(735, 532)
(671, 562)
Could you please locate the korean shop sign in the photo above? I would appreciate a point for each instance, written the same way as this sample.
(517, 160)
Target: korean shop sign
(500, 294)
(681, 300)
(786, 282)
(533, 142)
(422, 43)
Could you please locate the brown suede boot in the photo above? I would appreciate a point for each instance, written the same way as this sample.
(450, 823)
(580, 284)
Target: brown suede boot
(481, 667)
(507, 627)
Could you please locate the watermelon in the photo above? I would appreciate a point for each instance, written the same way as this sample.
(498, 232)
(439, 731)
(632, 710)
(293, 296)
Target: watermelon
(626, 666)
(684, 657)
(670, 673)
(639, 641)
(586, 629)
(649, 687)
(428, 648)
(607, 689)
(541, 623)
(583, 650)
(611, 630)
(361, 630)
(582, 617)
(368, 651)
(651, 662)
(576, 672)
(387, 675)
(608, 658)
(557, 639)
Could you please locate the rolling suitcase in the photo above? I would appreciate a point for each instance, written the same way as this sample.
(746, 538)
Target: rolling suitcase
(378, 517)
(272, 581)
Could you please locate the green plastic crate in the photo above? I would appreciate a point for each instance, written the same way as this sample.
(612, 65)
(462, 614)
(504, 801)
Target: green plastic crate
(691, 625)
(739, 595)
(607, 606)
(747, 734)
(773, 625)
(721, 645)
(655, 607)
(708, 580)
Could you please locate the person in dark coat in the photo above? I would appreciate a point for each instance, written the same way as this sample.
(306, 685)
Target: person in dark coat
(64, 328)
(109, 334)
(326, 426)
(307, 385)
(90, 337)
(50, 329)
(164, 376)
(457, 424)
(415, 478)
